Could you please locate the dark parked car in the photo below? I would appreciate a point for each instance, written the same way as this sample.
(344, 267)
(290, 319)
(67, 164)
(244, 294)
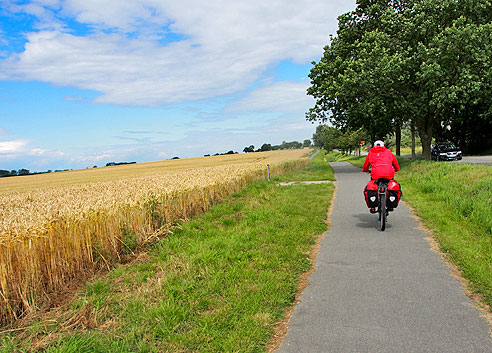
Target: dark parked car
(445, 151)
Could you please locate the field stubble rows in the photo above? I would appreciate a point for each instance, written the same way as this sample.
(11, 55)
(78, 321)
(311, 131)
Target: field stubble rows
(55, 227)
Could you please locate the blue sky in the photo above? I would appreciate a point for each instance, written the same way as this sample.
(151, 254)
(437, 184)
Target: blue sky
(86, 82)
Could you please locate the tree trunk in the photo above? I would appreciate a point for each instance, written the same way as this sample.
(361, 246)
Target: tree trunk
(425, 125)
(425, 133)
(412, 130)
(398, 137)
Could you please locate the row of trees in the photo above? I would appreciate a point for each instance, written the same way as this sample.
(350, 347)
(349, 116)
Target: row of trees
(6, 173)
(283, 146)
(421, 64)
(331, 138)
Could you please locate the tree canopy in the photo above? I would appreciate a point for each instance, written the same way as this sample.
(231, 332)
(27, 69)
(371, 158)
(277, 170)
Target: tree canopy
(421, 63)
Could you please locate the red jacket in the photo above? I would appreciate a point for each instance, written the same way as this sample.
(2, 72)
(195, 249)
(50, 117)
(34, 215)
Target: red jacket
(383, 162)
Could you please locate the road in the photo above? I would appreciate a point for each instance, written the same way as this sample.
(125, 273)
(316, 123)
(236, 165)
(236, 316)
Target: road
(375, 291)
(466, 159)
(476, 160)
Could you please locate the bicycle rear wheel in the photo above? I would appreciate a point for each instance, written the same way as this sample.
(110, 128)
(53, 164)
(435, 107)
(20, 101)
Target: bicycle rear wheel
(382, 212)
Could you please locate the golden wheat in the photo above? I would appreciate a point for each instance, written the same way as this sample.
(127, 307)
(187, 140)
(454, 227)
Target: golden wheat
(56, 226)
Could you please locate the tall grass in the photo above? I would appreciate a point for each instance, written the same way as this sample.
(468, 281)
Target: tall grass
(50, 235)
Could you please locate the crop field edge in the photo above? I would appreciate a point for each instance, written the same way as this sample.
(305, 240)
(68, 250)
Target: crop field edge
(38, 262)
(321, 226)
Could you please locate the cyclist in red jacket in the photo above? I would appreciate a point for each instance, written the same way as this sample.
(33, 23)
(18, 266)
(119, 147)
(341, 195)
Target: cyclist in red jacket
(384, 163)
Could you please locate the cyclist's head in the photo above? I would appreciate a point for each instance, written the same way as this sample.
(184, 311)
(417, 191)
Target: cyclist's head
(379, 143)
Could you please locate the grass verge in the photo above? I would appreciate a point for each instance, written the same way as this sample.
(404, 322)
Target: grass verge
(358, 161)
(219, 283)
(318, 170)
(454, 201)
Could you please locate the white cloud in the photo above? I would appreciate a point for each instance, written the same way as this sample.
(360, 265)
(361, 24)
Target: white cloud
(228, 45)
(16, 154)
(10, 147)
(38, 152)
(278, 97)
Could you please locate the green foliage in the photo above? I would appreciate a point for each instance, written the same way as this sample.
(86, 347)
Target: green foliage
(249, 149)
(266, 147)
(330, 138)
(306, 143)
(422, 62)
(129, 241)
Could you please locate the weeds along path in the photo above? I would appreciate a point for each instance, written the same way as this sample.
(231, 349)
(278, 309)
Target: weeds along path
(219, 283)
(375, 291)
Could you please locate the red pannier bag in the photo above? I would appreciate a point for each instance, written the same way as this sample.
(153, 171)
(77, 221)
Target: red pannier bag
(371, 194)
(394, 194)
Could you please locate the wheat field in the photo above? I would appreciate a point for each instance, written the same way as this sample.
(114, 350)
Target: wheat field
(59, 225)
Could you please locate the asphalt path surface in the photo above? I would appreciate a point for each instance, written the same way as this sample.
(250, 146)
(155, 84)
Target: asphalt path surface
(374, 291)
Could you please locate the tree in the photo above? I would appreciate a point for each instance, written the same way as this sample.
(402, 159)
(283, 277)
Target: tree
(266, 147)
(425, 63)
(327, 137)
(354, 82)
(4, 173)
(23, 172)
(249, 149)
(306, 143)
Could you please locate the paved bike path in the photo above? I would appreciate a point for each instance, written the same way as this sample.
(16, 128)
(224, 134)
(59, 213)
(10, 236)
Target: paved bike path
(375, 291)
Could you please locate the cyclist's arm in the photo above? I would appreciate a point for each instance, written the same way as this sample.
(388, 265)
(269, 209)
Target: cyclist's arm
(365, 166)
(395, 164)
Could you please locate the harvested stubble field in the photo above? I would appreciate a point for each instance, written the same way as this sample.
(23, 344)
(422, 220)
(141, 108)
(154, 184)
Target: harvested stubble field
(55, 226)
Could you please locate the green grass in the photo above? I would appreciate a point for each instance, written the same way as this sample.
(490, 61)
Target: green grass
(455, 202)
(407, 150)
(219, 283)
(318, 170)
(358, 161)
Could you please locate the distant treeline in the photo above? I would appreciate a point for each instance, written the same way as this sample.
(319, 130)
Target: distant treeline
(293, 145)
(110, 164)
(221, 154)
(6, 173)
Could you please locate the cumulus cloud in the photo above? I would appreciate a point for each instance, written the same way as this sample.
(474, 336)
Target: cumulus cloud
(10, 147)
(278, 97)
(127, 56)
(16, 154)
